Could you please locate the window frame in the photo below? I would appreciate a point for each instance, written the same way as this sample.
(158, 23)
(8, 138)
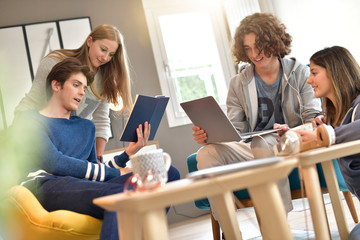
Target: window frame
(155, 8)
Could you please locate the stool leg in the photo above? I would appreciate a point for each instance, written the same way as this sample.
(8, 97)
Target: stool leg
(317, 208)
(351, 206)
(226, 211)
(258, 220)
(156, 217)
(215, 226)
(129, 227)
(334, 193)
(272, 214)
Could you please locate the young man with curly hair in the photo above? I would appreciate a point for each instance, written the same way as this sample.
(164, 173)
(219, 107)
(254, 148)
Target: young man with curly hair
(269, 91)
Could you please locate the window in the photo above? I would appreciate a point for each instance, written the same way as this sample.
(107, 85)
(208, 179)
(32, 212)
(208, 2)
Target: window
(190, 40)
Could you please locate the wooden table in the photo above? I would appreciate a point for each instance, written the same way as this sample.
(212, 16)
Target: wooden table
(308, 162)
(141, 215)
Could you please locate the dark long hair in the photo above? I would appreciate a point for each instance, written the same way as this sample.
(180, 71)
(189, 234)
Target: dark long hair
(344, 74)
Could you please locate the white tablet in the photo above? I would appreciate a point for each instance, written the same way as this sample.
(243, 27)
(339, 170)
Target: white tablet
(207, 114)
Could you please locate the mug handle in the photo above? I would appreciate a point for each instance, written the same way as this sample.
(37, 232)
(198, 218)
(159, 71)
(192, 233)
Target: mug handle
(167, 160)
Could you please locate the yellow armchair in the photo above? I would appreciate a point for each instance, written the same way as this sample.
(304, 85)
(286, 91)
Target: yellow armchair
(30, 221)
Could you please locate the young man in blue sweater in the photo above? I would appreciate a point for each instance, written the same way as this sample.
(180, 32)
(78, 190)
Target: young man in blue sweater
(67, 174)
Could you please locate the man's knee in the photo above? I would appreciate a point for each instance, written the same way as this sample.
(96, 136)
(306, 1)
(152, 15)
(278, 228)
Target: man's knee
(224, 153)
(207, 157)
(262, 147)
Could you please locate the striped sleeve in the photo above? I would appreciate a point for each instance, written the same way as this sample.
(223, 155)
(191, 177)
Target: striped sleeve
(119, 161)
(95, 172)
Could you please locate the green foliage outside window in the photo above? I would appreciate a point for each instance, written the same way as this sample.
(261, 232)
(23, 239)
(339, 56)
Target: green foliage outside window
(192, 87)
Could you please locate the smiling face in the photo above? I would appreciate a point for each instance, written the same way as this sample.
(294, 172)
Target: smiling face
(256, 56)
(320, 82)
(101, 51)
(72, 92)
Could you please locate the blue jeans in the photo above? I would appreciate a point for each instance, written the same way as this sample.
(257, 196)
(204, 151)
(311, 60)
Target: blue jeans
(74, 194)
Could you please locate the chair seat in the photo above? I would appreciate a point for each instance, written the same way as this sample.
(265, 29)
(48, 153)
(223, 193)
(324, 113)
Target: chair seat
(29, 220)
(355, 233)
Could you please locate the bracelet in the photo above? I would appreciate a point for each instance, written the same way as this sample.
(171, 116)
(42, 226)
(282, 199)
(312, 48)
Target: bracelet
(331, 133)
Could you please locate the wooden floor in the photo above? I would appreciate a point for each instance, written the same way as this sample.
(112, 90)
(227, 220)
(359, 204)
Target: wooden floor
(299, 220)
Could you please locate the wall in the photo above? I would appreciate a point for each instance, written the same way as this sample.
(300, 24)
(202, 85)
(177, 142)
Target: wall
(129, 17)
(315, 25)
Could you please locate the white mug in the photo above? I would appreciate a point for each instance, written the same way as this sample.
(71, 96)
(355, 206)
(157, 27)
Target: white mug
(153, 164)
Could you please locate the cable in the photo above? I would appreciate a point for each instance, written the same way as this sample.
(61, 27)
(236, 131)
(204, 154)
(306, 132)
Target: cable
(298, 97)
(303, 199)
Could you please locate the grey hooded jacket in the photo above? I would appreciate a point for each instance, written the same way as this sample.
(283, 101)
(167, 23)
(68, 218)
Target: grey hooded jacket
(299, 105)
(349, 131)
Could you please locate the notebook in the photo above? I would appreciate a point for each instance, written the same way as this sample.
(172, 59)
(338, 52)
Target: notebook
(207, 114)
(146, 108)
(235, 167)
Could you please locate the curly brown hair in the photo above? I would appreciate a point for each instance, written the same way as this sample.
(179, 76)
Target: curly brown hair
(271, 36)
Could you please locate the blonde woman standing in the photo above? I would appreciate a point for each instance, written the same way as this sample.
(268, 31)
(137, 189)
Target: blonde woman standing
(104, 53)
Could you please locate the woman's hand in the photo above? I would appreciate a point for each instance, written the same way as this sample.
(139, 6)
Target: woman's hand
(307, 135)
(199, 135)
(318, 121)
(283, 127)
(125, 171)
(142, 140)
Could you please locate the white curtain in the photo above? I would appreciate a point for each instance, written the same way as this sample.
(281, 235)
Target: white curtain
(236, 10)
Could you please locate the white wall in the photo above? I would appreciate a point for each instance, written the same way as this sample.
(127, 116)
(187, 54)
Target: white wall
(315, 24)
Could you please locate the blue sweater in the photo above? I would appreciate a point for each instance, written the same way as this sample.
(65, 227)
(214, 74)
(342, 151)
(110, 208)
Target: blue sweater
(67, 147)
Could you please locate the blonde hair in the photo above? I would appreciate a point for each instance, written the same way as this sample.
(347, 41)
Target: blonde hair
(344, 74)
(115, 74)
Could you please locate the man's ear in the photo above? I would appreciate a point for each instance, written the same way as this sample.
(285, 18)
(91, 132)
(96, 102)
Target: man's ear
(55, 85)
(89, 41)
